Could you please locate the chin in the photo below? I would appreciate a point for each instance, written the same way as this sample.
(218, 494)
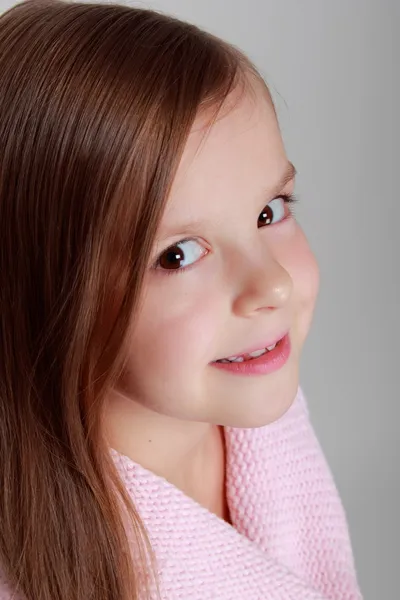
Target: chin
(259, 412)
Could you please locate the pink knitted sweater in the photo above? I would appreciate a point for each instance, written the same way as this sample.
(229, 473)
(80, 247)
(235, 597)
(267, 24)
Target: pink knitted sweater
(289, 539)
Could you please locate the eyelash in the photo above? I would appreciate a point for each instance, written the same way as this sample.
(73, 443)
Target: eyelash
(290, 199)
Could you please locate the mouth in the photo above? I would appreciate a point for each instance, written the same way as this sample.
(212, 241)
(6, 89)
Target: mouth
(253, 353)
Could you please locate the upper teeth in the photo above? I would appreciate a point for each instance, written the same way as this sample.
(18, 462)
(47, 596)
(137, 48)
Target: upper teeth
(255, 354)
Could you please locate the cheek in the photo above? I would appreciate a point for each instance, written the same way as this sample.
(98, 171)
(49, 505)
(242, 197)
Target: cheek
(175, 337)
(302, 266)
(185, 339)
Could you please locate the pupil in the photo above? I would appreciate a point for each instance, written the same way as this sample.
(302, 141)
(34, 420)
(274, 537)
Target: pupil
(168, 258)
(267, 214)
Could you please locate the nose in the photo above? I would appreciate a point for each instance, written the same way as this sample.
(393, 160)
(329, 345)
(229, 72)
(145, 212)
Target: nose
(265, 285)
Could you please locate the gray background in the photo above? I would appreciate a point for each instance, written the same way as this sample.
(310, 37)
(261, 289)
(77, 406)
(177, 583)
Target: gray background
(333, 70)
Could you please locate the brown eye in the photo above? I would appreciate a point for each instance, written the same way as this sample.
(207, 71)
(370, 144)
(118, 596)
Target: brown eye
(266, 216)
(171, 258)
(175, 258)
(273, 212)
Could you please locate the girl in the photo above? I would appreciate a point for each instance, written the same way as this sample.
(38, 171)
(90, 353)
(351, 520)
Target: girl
(156, 292)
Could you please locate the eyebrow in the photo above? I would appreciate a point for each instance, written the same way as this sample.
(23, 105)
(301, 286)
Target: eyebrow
(196, 226)
(288, 175)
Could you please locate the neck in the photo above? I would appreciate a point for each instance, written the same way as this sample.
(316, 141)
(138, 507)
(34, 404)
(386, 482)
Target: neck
(190, 455)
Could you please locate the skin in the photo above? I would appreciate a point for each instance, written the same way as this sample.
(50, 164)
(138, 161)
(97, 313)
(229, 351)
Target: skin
(246, 283)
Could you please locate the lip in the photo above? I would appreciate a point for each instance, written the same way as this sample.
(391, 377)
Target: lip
(263, 365)
(259, 346)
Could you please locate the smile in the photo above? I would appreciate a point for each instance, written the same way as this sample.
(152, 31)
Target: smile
(259, 362)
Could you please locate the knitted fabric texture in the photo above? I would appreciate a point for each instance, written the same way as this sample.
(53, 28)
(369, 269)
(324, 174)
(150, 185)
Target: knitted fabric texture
(288, 539)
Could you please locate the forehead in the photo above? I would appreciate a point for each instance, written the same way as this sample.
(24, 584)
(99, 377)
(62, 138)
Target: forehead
(241, 154)
(245, 132)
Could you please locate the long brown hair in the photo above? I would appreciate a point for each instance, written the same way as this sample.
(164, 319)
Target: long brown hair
(96, 103)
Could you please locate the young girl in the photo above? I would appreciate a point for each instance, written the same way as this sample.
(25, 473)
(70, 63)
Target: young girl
(156, 292)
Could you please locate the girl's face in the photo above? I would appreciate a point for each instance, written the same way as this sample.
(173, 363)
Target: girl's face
(239, 282)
